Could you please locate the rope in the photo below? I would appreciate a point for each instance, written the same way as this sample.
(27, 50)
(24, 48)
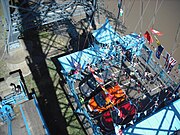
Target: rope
(154, 17)
(128, 12)
(142, 15)
(155, 13)
(141, 11)
(92, 18)
(127, 7)
(175, 46)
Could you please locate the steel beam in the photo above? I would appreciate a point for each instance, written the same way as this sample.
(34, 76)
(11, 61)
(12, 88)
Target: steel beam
(30, 14)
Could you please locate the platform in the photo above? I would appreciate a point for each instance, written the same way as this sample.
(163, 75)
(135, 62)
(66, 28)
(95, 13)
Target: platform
(19, 109)
(126, 61)
(166, 121)
(26, 114)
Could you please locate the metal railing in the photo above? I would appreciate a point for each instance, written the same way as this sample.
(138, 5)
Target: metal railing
(156, 67)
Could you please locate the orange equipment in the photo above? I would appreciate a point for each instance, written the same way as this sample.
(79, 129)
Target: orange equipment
(107, 98)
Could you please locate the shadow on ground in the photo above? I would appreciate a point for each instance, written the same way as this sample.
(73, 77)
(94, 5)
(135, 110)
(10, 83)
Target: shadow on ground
(39, 69)
(42, 43)
(53, 103)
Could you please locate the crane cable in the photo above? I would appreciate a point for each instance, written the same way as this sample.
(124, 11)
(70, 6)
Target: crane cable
(119, 10)
(128, 10)
(92, 17)
(175, 46)
(155, 13)
(154, 16)
(141, 16)
(141, 12)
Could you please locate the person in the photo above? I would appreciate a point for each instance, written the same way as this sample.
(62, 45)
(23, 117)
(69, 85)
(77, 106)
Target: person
(128, 55)
(121, 12)
(13, 87)
(18, 89)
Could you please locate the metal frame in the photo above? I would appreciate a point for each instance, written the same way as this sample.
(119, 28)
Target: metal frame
(30, 14)
(148, 60)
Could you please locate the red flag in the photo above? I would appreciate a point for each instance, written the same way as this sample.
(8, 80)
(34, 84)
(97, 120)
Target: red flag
(148, 37)
(156, 32)
(91, 69)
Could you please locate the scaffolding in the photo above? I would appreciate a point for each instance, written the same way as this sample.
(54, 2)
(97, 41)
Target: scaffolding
(33, 14)
(14, 109)
(130, 64)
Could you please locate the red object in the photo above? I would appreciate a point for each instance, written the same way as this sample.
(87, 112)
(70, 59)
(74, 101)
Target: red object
(91, 69)
(156, 32)
(98, 79)
(110, 96)
(148, 37)
(126, 110)
(120, 132)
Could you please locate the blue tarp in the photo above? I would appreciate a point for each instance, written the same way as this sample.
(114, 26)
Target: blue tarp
(89, 55)
(134, 42)
(107, 35)
(164, 122)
